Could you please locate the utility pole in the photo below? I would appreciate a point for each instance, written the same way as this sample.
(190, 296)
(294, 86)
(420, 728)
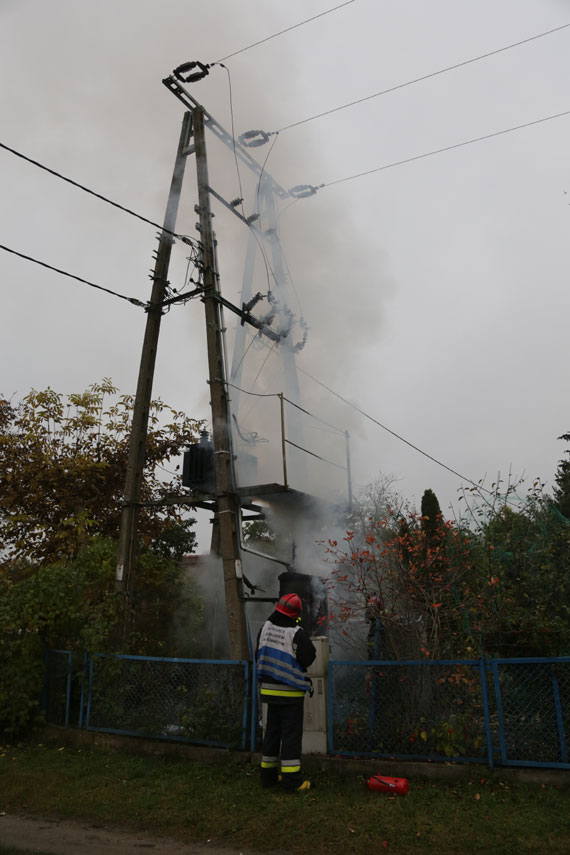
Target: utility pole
(139, 428)
(227, 499)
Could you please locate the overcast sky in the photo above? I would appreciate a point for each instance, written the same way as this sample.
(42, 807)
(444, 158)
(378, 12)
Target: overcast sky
(436, 292)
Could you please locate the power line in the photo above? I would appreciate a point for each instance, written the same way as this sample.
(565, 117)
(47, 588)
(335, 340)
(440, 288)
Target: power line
(253, 394)
(250, 226)
(312, 415)
(367, 416)
(94, 193)
(312, 453)
(388, 430)
(424, 77)
(289, 401)
(447, 148)
(132, 300)
(287, 30)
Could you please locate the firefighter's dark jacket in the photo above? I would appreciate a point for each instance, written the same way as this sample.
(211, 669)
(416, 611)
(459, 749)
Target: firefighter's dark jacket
(272, 689)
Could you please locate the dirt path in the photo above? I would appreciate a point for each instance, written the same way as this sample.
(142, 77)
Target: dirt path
(82, 838)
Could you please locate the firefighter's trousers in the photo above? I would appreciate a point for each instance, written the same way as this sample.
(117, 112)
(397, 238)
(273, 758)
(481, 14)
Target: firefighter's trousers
(282, 744)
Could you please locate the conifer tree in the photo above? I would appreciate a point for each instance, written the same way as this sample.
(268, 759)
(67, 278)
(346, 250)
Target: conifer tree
(562, 478)
(431, 512)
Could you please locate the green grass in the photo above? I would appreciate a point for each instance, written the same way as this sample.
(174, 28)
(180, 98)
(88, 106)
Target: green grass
(223, 803)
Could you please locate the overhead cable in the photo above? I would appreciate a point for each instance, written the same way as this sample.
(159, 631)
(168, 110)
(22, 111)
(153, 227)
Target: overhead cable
(446, 148)
(287, 30)
(317, 418)
(366, 416)
(239, 201)
(388, 430)
(132, 300)
(312, 453)
(97, 195)
(289, 401)
(417, 80)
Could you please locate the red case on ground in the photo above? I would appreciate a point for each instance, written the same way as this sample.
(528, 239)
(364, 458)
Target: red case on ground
(382, 784)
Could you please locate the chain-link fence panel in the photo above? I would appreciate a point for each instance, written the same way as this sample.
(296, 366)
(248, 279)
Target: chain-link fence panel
(407, 709)
(56, 698)
(530, 711)
(187, 700)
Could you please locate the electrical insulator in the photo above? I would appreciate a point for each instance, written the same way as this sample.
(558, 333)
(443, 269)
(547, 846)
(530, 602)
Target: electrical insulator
(188, 66)
(252, 139)
(302, 191)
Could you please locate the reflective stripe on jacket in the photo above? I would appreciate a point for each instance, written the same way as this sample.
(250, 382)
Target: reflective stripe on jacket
(277, 660)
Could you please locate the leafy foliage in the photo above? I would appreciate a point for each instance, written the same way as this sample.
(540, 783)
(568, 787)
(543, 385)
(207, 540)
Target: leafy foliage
(62, 472)
(562, 478)
(73, 606)
(420, 579)
(496, 582)
(259, 532)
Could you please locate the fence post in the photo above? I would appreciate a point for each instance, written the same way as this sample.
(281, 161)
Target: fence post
(44, 696)
(486, 712)
(253, 704)
(68, 693)
(498, 698)
(372, 700)
(559, 717)
(90, 685)
(245, 704)
(83, 681)
(330, 715)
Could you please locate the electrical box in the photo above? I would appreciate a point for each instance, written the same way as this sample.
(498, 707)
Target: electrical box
(320, 667)
(316, 708)
(198, 469)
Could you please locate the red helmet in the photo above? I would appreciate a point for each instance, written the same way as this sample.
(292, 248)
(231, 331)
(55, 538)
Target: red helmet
(290, 605)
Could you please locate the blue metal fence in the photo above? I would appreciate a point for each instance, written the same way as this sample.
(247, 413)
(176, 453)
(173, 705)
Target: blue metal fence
(190, 700)
(531, 712)
(199, 701)
(509, 712)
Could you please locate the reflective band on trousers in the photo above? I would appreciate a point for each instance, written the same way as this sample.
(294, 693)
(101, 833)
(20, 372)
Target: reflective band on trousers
(282, 693)
(286, 769)
(269, 763)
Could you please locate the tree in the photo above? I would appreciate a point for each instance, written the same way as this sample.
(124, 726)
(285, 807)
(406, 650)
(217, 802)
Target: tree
(430, 512)
(424, 600)
(72, 605)
(562, 478)
(62, 471)
(372, 503)
(528, 560)
(525, 562)
(496, 582)
(259, 533)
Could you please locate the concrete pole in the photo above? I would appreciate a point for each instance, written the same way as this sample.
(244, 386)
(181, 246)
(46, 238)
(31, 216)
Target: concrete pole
(227, 500)
(137, 446)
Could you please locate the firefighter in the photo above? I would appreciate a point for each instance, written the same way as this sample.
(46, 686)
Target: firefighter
(284, 652)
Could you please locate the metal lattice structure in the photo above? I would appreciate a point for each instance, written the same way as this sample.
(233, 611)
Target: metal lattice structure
(189, 700)
(506, 712)
(531, 713)
(510, 712)
(408, 710)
